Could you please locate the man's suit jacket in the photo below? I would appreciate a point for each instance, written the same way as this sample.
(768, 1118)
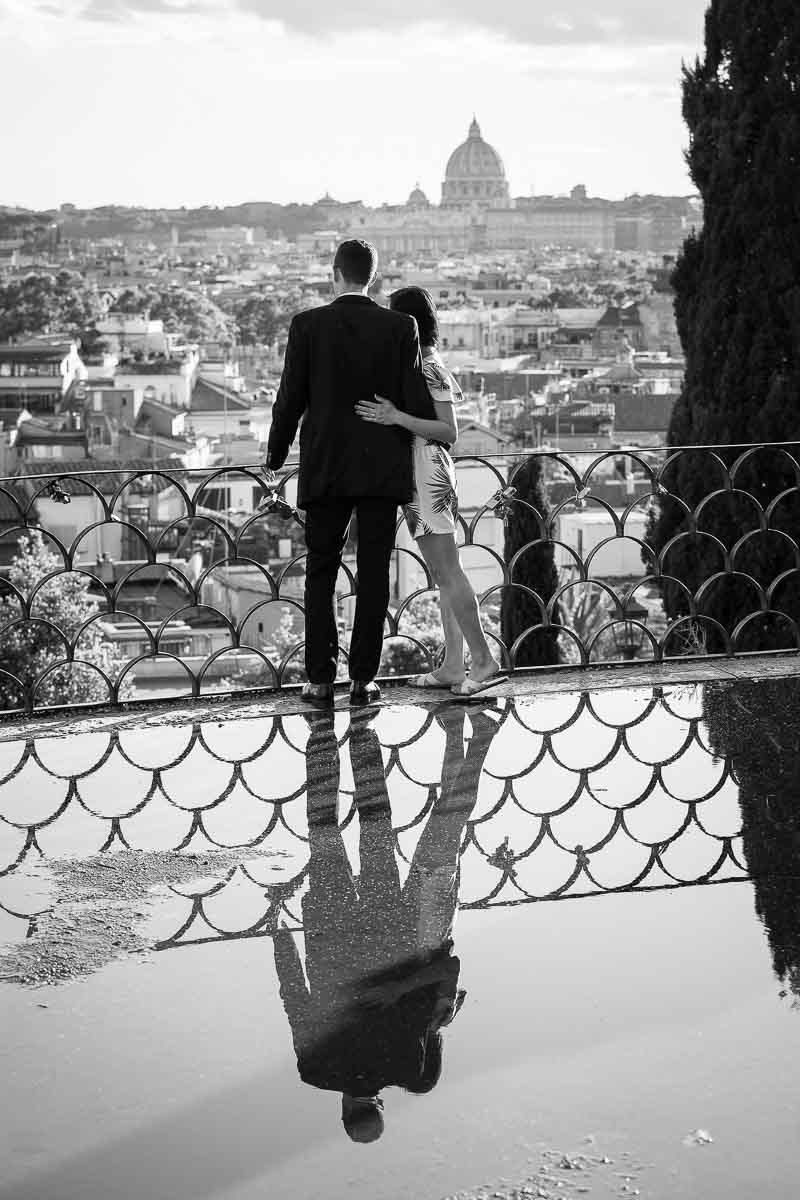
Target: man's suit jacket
(336, 355)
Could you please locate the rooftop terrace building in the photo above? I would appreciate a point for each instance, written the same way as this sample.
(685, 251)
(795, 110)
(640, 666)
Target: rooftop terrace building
(36, 375)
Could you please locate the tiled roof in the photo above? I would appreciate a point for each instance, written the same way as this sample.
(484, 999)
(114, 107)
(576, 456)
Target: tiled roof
(620, 316)
(9, 513)
(545, 320)
(149, 403)
(10, 385)
(579, 317)
(476, 425)
(621, 372)
(643, 412)
(35, 351)
(163, 442)
(210, 397)
(38, 433)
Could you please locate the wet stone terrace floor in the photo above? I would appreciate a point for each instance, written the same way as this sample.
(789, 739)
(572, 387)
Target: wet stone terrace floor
(546, 944)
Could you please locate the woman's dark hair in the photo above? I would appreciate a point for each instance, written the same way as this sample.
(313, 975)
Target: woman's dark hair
(431, 1072)
(418, 303)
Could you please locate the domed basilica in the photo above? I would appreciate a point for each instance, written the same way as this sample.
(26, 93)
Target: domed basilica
(477, 213)
(475, 176)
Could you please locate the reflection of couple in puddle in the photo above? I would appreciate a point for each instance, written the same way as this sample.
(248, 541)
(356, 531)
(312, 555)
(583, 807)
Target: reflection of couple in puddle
(382, 975)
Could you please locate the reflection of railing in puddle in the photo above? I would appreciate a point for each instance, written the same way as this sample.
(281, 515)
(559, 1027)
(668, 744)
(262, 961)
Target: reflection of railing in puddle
(579, 795)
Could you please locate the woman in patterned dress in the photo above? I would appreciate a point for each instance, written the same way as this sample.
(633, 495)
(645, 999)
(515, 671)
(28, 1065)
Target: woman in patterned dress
(432, 515)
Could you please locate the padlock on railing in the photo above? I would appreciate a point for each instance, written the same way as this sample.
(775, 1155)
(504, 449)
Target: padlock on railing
(57, 493)
(503, 858)
(501, 502)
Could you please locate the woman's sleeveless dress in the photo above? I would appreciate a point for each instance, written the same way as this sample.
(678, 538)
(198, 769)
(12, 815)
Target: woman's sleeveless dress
(434, 507)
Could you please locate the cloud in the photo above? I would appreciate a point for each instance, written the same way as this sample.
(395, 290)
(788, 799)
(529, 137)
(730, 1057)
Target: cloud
(567, 22)
(121, 10)
(563, 23)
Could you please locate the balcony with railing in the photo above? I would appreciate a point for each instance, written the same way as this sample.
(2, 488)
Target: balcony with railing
(194, 579)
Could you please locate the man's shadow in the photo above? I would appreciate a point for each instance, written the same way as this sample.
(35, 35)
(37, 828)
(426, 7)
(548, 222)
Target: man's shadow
(382, 975)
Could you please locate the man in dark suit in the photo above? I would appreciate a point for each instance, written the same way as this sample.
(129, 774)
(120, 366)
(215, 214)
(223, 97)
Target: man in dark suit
(380, 963)
(337, 355)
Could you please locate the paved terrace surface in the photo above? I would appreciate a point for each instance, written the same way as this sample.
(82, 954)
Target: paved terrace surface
(216, 916)
(533, 683)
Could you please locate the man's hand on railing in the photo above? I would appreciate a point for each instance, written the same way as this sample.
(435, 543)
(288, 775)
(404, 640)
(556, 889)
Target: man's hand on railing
(273, 502)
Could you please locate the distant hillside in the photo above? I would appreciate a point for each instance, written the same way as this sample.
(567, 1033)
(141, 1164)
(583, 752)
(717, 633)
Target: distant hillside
(114, 220)
(35, 229)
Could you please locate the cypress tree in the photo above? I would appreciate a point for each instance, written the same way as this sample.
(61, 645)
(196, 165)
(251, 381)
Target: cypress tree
(525, 516)
(737, 305)
(754, 726)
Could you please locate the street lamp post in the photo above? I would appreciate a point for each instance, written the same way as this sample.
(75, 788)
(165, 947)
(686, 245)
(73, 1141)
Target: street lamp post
(629, 633)
(224, 414)
(562, 398)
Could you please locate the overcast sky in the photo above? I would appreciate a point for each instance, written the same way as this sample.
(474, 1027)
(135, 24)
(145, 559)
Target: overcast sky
(170, 102)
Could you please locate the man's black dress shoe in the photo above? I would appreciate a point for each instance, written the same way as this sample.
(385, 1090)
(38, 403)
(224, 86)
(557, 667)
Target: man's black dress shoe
(364, 693)
(317, 693)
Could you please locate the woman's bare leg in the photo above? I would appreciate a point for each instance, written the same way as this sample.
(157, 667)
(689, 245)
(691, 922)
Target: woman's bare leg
(452, 668)
(441, 554)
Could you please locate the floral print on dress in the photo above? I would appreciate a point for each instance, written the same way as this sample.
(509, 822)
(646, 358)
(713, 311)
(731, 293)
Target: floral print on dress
(434, 507)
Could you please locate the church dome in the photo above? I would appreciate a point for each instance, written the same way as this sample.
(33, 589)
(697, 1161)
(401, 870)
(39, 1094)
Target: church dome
(475, 174)
(475, 158)
(418, 199)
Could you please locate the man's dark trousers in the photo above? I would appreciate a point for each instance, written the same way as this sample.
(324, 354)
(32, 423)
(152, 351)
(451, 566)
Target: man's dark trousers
(327, 524)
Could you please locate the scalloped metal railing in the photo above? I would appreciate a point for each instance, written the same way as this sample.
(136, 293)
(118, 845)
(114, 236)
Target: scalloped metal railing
(225, 584)
(575, 796)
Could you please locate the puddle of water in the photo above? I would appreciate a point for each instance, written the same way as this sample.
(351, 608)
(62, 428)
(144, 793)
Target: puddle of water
(180, 1081)
(332, 907)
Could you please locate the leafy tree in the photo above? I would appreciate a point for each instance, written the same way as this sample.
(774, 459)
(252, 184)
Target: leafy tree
(534, 570)
(287, 634)
(92, 343)
(43, 303)
(585, 610)
(737, 306)
(754, 726)
(197, 317)
(567, 298)
(260, 320)
(183, 311)
(132, 302)
(28, 649)
(399, 657)
(421, 620)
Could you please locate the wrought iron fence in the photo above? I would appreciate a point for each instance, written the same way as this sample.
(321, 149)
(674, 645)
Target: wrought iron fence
(571, 796)
(183, 582)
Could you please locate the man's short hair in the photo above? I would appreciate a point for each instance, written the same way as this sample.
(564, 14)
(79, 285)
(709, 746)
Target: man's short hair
(362, 1118)
(357, 260)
